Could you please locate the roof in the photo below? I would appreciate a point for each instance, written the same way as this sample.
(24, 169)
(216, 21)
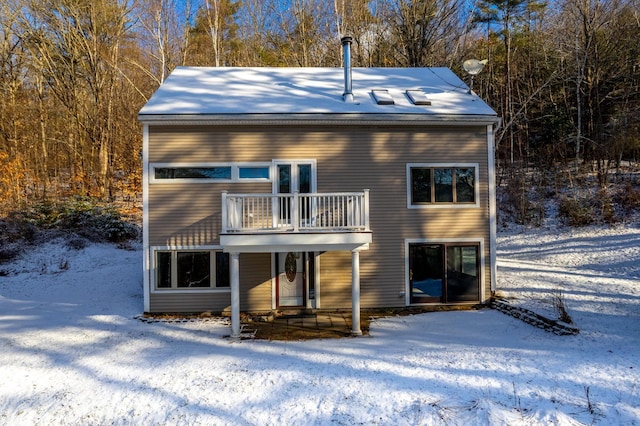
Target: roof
(198, 92)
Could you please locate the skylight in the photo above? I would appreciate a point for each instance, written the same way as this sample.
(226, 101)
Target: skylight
(382, 97)
(418, 97)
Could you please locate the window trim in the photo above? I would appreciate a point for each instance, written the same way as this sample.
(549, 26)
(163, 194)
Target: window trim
(185, 290)
(235, 172)
(440, 205)
(445, 241)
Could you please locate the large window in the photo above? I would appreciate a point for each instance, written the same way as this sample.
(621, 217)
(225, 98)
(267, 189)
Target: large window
(223, 173)
(229, 172)
(191, 269)
(444, 272)
(440, 185)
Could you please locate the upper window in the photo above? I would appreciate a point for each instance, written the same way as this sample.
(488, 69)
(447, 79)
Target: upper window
(230, 172)
(253, 172)
(192, 172)
(440, 185)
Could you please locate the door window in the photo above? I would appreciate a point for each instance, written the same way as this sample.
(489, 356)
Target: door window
(293, 176)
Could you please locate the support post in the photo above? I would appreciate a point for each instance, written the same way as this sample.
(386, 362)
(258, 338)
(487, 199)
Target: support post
(355, 293)
(235, 294)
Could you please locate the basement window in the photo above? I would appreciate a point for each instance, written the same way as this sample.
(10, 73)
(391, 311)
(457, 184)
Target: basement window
(191, 270)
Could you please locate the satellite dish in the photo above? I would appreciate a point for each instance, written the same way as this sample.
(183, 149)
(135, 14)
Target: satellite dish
(474, 66)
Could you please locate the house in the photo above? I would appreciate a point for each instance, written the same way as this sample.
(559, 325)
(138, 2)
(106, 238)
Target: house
(317, 188)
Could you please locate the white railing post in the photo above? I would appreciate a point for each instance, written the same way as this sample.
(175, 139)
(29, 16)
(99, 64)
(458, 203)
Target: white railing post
(365, 210)
(225, 214)
(295, 212)
(275, 211)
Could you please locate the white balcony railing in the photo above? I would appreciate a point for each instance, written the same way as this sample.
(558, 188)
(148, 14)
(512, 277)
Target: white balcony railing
(329, 212)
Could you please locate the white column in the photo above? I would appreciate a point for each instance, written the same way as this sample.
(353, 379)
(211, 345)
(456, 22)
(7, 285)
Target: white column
(235, 294)
(355, 293)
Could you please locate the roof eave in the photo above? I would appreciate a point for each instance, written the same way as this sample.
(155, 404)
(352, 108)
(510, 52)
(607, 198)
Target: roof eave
(317, 119)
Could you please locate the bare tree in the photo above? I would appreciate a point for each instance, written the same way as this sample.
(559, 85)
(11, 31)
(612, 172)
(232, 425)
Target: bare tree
(424, 29)
(213, 36)
(77, 47)
(165, 26)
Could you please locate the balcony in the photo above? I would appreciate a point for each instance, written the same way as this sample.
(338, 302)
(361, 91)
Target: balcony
(295, 222)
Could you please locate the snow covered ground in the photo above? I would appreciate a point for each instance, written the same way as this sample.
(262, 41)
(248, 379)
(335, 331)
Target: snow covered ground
(71, 351)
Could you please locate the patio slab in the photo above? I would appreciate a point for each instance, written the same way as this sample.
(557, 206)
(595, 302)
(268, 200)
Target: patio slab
(321, 325)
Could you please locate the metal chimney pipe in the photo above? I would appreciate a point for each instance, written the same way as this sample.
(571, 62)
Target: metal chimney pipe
(347, 96)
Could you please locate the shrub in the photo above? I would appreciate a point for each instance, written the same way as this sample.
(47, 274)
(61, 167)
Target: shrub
(577, 211)
(604, 206)
(83, 216)
(629, 198)
(520, 200)
(560, 307)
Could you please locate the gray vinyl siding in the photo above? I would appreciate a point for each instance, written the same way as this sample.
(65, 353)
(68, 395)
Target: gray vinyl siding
(195, 302)
(188, 214)
(335, 278)
(255, 281)
(348, 159)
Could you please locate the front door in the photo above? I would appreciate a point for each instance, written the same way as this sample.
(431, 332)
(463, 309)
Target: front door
(291, 279)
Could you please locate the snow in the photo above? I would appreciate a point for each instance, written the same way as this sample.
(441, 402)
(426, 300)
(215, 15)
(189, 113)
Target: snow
(72, 353)
(201, 91)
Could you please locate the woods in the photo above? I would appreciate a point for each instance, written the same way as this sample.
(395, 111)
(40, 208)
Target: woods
(564, 76)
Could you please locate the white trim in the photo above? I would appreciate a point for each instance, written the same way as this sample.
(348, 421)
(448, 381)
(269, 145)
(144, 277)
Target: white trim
(274, 269)
(316, 271)
(295, 241)
(235, 172)
(205, 247)
(181, 290)
(435, 205)
(307, 301)
(355, 293)
(146, 257)
(407, 284)
(492, 206)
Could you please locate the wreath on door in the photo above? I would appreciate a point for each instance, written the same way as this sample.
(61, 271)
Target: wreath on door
(291, 266)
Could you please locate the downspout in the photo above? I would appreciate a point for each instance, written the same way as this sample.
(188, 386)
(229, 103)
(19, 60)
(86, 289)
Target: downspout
(347, 96)
(146, 250)
(493, 209)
